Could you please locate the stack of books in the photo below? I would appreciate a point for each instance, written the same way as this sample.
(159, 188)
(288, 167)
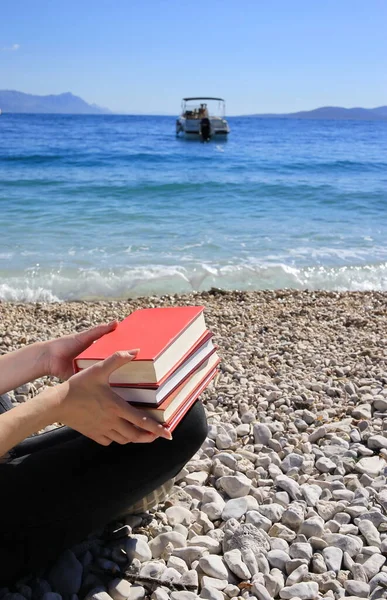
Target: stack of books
(175, 363)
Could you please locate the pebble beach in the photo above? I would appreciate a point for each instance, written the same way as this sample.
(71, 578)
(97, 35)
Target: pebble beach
(287, 497)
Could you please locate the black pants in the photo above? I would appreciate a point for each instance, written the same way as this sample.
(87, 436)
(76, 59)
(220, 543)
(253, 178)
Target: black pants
(61, 486)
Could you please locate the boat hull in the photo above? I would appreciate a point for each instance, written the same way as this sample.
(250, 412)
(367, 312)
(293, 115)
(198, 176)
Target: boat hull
(191, 128)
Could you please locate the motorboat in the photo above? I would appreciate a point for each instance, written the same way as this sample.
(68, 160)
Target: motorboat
(202, 118)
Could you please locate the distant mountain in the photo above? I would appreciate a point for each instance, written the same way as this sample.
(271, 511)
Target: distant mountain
(18, 102)
(334, 112)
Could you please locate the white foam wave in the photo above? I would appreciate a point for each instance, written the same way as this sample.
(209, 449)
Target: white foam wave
(84, 283)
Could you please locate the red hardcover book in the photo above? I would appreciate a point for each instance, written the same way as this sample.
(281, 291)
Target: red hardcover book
(184, 408)
(179, 397)
(155, 395)
(165, 337)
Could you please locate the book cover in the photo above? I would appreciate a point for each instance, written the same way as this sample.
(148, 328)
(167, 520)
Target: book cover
(163, 336)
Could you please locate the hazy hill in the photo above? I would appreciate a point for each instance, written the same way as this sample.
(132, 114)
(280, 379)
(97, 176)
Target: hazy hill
(18, 102)
(334, 112)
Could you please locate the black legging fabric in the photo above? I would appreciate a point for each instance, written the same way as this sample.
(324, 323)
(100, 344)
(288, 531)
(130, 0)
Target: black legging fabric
(61, 486)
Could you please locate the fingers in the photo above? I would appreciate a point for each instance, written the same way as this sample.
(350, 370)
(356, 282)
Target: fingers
(132, 433)
(125, 433)
(103, 440)
(117, 437)
(114, 362)
(142, 420)
(88, 337)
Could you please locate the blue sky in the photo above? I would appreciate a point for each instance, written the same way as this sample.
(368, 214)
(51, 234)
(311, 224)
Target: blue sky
(143, 56)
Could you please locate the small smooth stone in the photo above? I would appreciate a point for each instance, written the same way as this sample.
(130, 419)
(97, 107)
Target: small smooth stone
(178, 515)
(138, 548)
(325, 465)
(260, 591)
(312, 527)
(380, 404)
(274, 582)
(213, 510)
(372, 466)
(231, 590)
(224, 441)
(311, 493)
(189, 554)
(370, 532)
(190, 578)
(293, 516)
(152, 569)
(210, 593)
(278, 559)
(137, 592)
(281, 531)
(254, 517)
(297, 575)
(160, 594)
(213, 566)
(262, 434)
(170, 575)
(317, 434)
(373, 565)
(183, 595)
(290, 486)
(119, 589)
(233, 559)
(304, 591)
(46, 596)
(377, 442)
(347, 543)
(158, 544)
(235, 486)
(362, 411)
(301, 550)
(218, 584)
(174, 562)
(235, 508)
(333, 558)
(278, 544)
(273, 511)
(357, 588)
(98, 594)
(208, 542)
(243, 429)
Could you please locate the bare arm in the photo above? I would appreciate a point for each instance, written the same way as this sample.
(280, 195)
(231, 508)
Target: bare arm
(53, 357)
(85, 403)
(26, 419)
(22, 365)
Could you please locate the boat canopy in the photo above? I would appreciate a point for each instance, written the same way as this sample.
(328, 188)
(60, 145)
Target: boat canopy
(202, 98)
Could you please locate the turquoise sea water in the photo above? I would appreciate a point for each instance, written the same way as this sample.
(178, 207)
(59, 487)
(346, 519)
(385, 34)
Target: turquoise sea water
(111, 206)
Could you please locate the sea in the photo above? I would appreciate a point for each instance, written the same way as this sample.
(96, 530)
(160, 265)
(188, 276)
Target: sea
(109, 207)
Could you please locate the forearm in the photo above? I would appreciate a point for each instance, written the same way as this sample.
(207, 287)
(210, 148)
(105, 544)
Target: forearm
(28, 418)
(23, 365)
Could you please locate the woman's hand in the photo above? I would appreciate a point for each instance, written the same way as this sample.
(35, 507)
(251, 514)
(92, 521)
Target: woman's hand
(87, 404)
(61, 352)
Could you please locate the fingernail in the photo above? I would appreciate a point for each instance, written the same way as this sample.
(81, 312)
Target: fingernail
(134, 351)
(165, 433)
(114, 322)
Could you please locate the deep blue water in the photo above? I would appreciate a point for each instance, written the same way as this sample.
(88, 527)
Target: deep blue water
(111, 206)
